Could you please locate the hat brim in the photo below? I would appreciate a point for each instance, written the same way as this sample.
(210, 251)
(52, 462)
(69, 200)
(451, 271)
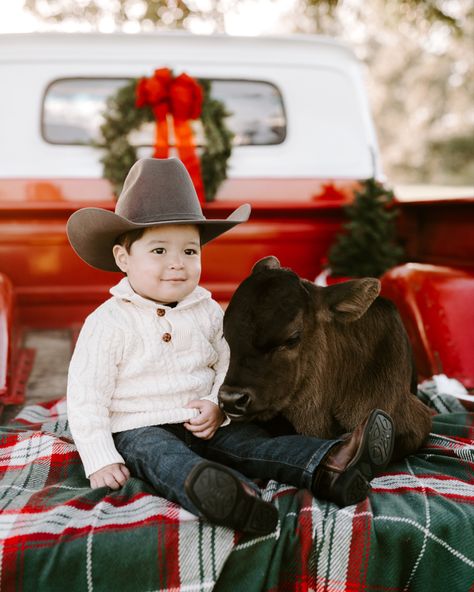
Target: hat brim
(92, 232)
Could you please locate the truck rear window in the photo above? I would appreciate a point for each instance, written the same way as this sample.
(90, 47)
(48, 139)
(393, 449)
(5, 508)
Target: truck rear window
(73, 107)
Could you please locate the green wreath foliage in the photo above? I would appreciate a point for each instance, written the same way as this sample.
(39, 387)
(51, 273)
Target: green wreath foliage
(122, 117)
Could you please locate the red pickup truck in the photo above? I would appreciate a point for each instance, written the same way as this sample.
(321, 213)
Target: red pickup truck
(303, 137)
(303, 141)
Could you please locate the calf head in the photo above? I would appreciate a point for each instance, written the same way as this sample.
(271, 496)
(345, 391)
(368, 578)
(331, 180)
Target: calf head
(277, 328)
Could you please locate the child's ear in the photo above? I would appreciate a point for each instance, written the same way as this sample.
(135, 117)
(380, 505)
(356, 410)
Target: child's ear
(121, 257)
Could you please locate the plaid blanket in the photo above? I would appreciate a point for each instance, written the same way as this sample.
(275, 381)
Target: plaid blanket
(415, 532)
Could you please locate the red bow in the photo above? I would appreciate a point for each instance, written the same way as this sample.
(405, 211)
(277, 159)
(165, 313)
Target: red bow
(182, 98)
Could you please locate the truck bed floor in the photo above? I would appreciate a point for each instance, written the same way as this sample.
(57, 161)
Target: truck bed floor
(48, 377)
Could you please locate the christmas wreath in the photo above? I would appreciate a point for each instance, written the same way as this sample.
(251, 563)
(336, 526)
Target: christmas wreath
(172, 102)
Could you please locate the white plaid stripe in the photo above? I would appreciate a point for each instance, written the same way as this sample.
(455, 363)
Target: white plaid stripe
(442, 486)
(427, 525)
(16, 482)
(202, 553)
(55, 520)
(40, 414)
(333, 550)
(37, 445)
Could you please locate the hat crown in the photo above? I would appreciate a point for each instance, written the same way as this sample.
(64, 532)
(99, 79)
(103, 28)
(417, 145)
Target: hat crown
(158, 190)
(155, 192)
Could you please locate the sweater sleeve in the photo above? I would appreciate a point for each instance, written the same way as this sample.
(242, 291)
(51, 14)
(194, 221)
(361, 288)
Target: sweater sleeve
(91, 383)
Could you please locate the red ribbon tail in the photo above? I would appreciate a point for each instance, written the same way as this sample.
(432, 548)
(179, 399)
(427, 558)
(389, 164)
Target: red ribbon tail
(185, 145)
(161, 148)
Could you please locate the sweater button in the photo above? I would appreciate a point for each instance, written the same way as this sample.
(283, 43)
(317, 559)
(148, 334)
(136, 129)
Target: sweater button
(160, 312)
(166, 337)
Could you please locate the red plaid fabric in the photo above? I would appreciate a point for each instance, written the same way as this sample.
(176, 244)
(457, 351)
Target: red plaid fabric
(414, 532)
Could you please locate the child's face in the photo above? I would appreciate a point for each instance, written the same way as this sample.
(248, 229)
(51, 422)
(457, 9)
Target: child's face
(164, 264)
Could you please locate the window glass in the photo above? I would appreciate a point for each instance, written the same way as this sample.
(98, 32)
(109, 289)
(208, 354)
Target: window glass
(72, 111)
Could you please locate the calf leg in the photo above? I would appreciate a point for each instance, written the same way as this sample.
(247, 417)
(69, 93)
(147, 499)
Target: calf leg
(412, 420)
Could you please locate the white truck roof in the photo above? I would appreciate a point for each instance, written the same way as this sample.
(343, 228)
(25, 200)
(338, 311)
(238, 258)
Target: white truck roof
(329, 130)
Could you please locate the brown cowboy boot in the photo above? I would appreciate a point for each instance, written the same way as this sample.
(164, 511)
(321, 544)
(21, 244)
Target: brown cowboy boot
(344, 474)
(223, 499)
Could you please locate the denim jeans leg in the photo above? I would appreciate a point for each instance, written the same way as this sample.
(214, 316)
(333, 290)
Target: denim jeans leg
(160, 456)
(164, 456)
(250, 449)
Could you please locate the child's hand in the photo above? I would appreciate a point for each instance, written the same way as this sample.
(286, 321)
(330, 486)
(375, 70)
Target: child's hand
(113, 476)
(209, 419)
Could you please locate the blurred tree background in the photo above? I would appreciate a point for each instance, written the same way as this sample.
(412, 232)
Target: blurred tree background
(419, 56)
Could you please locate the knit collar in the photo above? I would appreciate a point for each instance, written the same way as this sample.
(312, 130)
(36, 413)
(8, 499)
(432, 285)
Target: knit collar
(124, 291)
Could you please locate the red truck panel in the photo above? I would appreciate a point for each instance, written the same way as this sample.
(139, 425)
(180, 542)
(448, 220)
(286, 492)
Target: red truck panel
(437, 307)
(6, 328)
(439, 232)
(56, 289)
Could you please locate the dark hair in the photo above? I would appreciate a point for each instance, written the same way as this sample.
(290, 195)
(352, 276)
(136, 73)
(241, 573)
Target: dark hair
(126, 239)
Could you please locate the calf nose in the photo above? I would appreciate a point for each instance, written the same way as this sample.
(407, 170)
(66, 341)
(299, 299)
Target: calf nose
(233, 401)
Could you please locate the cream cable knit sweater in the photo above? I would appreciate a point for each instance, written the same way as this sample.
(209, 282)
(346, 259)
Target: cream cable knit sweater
(138, 363)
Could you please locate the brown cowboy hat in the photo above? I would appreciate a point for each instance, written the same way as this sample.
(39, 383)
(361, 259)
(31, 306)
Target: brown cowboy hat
(155, 192)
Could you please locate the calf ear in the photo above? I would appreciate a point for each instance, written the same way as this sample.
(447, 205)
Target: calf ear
(266, 263)
(348, 301)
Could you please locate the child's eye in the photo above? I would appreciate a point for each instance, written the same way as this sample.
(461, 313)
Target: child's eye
(190, 251)
(158, 251)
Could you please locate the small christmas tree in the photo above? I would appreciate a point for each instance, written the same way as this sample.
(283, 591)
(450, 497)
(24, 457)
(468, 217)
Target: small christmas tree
(367, 245)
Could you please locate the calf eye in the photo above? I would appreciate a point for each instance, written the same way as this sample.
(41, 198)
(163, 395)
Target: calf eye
(291, 342)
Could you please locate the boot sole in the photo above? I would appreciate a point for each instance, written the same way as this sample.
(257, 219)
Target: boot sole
(380, 439)
(219, 495)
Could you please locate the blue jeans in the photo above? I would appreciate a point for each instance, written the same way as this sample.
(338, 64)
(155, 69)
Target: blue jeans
(164, 456)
